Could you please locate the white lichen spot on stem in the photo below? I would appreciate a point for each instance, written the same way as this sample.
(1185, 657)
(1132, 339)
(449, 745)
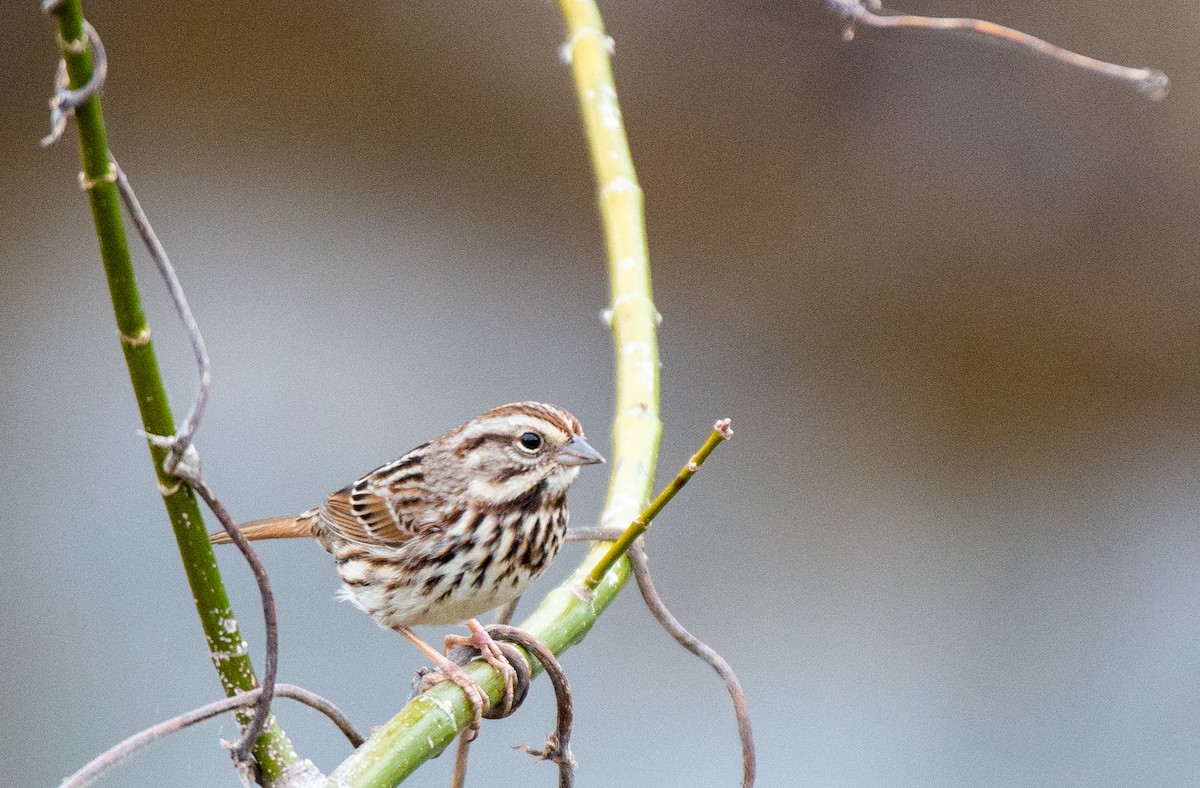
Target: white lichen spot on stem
(639, 411)
(566, 53)
(608, 108)
(446, 708)
(646, 370)
(635, 348)
(620, 185)
(240, 650)
(585, 595)
(622, 507)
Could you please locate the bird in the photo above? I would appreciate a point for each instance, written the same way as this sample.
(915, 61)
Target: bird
(457, 526)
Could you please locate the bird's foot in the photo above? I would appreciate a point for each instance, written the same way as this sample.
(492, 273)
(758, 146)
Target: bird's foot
(489, 649)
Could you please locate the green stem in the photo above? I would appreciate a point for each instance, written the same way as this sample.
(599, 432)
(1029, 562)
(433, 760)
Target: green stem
(430, 722)
(273, 751)
(639, 526)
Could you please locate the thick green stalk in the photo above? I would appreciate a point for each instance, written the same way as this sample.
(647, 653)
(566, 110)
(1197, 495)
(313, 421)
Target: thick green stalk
(430, 722)
(273, 750)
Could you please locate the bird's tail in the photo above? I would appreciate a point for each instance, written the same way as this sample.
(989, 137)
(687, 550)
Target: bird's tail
(287, 527)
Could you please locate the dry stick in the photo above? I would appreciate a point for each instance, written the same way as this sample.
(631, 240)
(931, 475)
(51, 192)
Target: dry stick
(180, 445)
(65, 101)
(262, 709)
(115, 755)
(1150, 82)
(658, 609)
(741, 712)
(558, 745)
(181, 440)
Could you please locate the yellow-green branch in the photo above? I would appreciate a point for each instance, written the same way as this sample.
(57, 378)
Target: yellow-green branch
(430, 722)
(721, 432)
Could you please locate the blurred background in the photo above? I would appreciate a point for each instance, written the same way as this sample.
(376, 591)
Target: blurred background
(947, 292)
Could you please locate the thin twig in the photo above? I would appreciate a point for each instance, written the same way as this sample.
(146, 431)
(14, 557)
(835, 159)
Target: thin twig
(65, 101)
(721, 432)
(558, 745)
(178, 443)
(593, 533)
(658, 609)
(115, 755)
(741, 712)
(262, 709)
(505, 614)
(1150, 82)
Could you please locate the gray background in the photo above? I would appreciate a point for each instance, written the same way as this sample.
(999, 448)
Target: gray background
(947, 293)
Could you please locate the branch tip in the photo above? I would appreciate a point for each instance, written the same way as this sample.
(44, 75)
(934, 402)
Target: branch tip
(1149, 82)
(1154, 85)
(721, 432)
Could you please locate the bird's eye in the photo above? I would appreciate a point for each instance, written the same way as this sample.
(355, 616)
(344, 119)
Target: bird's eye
(531, 441)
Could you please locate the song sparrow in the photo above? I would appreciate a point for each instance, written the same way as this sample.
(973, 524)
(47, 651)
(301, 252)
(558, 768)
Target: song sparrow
(458, 526)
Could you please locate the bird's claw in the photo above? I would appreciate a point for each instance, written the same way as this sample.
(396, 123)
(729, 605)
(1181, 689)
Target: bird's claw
(449, 671)
(489, 649)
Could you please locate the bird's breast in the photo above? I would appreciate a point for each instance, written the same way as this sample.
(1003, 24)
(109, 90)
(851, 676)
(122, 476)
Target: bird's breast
(481, 561)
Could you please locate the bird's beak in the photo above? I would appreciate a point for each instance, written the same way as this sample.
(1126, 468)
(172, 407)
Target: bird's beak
(578, 452)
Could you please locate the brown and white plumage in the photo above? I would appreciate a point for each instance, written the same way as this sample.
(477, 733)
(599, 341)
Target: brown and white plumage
(455, 527)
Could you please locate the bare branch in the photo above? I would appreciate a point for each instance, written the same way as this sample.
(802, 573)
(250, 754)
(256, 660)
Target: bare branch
(1150, 82)
(262, 710)
(558, 745)
(116, 755)
(181, 449)
(178, 443)
(641, 571)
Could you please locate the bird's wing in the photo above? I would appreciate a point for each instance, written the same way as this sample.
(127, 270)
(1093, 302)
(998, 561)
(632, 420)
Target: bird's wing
(387, 506)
